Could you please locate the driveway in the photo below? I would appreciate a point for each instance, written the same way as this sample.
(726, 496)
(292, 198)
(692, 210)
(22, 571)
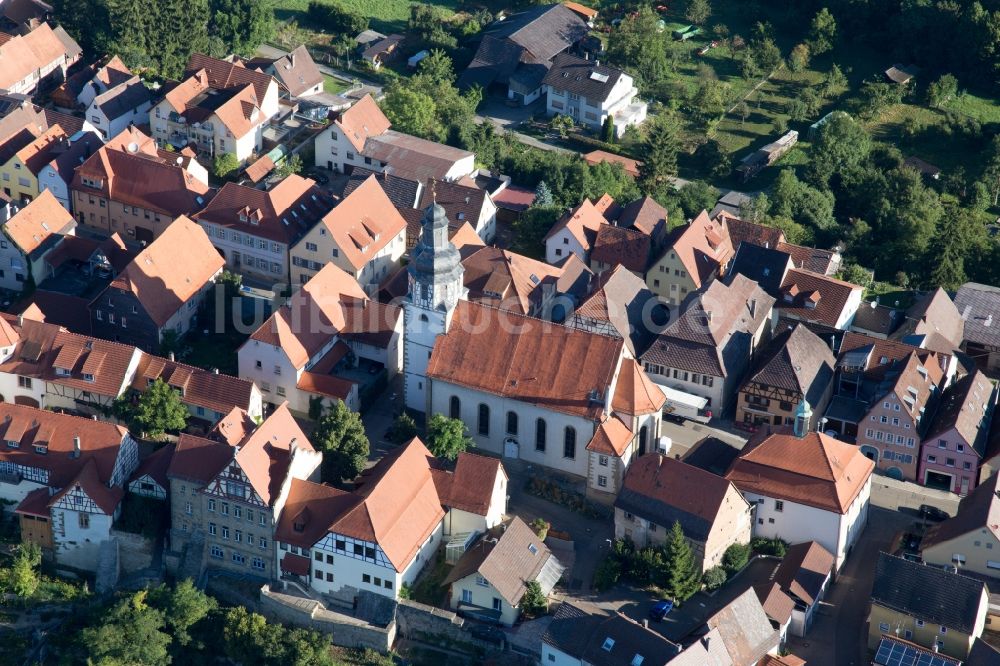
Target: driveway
(840, 634)
(379, 418)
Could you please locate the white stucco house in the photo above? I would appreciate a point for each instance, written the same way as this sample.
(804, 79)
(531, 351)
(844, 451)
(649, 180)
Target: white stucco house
(112, 111)
(806, 487)
(589, 92)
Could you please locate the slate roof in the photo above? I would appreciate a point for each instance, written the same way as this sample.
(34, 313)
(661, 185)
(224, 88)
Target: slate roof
(804, 569)
(766, 267)
(983, 654)
(796, 360)
(586, 78)
(979, 510)
(584, 632)
(616, 246)
(967, 406)
(402, 192)
(123, 98)
(979, 307)
(927, 593)
(461, 203)
(620, 298)
(664, 490)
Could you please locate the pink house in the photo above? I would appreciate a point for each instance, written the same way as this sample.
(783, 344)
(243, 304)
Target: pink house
(956, 440)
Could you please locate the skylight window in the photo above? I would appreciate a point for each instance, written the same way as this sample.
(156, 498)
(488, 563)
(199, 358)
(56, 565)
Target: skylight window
(608, 644)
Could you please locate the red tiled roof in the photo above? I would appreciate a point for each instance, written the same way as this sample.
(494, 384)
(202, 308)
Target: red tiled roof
(199, 459)
(89, 481)
(635, 392)
(234, 426)
(611, 437)
(24, 54)
(615, 246)
(326, 385)
(362, 120)
(703, 247)
(224, 75)
(35, 503)
(39, 221)
(470, 486)
(582, 222)
(530, 360)
(216, 392)
(597, 156)
(295, 564)
(310, 509)
(813, 297)
(156, 464)
(264, 456)
(363, 223)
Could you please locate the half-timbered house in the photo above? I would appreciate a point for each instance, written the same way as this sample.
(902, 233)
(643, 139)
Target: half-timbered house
(67, 475)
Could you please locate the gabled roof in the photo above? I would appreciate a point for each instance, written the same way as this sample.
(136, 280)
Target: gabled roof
(24, 54)
(814, 470)
(966, 406)
(89, 481)
(507, 280)
(927, 593)
(364, 119)
(470, 486)
(664, 490)
(703, 247)
(216, 392)
(611, 437)
(766, 267)
(412, 157)
(156, 464)
(39, 224)
(933, 315)
(529, 360)
(586, 78)
(582, 222)
(979, 510)
(233, 427)
(644, 215)
(170, 270)
(363, 223)
(743, 231)
(745, 630)
(315, 313)
(265, 455)
(296, 71)
(123, 98)
(309, 510)
(621, 246)
(979, 306)
(798, 361)
(815, 297)
(40, 152)
(461, 203)
(509, 557)
(620, 298)
(402, 192)
(284, 213)
(824, 262)
(54, 433)
(224, 75)
(983, 654)
(542, 31)
(630, 166)
(584, 633)
(199, 459)
(804, 569)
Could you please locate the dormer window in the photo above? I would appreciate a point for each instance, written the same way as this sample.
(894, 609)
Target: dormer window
(62, 372)
(41, 449)
(13, 444)
(87, 377)
(299, 526)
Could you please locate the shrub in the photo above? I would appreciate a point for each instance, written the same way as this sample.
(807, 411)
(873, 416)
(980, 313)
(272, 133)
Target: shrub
(715, 578)
(765, 546)
(608, 573)
(541, 527)
(736, 557)
(534, 603)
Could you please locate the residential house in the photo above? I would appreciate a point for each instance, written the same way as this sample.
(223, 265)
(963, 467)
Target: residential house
(795, 368)
(646, 216)
(364, 235)
(932, 607)
(86, 83)
(490, 579)
(707, 349)
(824, 262)
(576, 231)
(516, 53)
(464, 203)
(811, 297)
(695, 254)
(620, 305)
(405, 194)
(983, 653)
(226, 499)
(744, 630)
(956, 439)
(932, 322)
(150, 478)
(57, 175)
(130, 187)
(67, 476)
(113, 110)
(590, 93)
(295, 72)
(295, 354)
(869, 368)
(21, 16)
(162, 289)
(39, 58)
(220, 107)
(585, 636)
(807, 487)
(29, 236)
(805, 574)
(21, 170)
(360, 136)
(659, 491)
(765, 266)
(971, 539)
(620, 246)
(978, 305)
(894, 650)
(381, 51)
(255, 229)
(379, 537)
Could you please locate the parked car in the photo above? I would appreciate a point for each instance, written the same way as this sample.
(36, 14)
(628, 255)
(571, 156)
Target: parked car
(318, 176)
(661, 609)
(485, 632)
(930, 512)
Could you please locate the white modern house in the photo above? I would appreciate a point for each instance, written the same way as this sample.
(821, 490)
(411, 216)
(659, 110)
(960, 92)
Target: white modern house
(112, 111)
(589, 92)
(806, 487)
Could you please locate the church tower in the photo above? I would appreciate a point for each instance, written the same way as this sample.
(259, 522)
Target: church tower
(435, 287)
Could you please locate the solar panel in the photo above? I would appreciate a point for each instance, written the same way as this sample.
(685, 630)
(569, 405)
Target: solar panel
(897, 653)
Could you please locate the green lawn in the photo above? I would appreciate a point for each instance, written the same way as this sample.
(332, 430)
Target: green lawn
(982, 109)
(333, 85)
(386, 15)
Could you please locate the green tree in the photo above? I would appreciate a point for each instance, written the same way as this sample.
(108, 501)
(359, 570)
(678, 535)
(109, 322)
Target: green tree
(608, 134)
(660, 157)
(834, 83)
(907, 213)
(22, 577)
(224, 165)
(841, 144)
(340, 436)
(533, 603)
(714, 578)
(336, 18)
(562, 124)
(736, 557)
(697, 196)
(446, 437)
(942, 90)
(404, 428)
(822, 32)
(798, 59)
(698, 11)
(159, 409)
(640, 47)
(682, 575)
(530, 230)
(543, 195)
(131, 632)
(607, 178)
(290, 165)
(242, 25)
(410, 111)
(438, 67)
(713, 159)
(184, 606)
(743, 111)
(877, 96)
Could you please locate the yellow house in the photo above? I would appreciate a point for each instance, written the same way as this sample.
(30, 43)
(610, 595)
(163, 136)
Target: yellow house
(696, 254)
(365, 236)
(19, 174)
(971, 540)
(926, 605)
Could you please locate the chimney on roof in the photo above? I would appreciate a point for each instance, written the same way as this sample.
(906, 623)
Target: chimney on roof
(93, 416)
(76, 446)
(215, 371)
(645, 623)
(20, 320)
(291, 59)
(171, 355)
(293, 446)
(753, 307)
